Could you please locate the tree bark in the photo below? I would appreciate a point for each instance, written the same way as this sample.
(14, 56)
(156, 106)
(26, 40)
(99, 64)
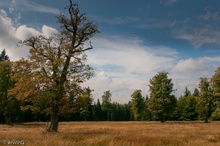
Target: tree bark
(8, 120)
(206, 119)
(53, 121)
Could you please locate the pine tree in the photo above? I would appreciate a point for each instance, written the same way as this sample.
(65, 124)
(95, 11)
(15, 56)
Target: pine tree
(196, 92)
(187, 92)
(4, 56)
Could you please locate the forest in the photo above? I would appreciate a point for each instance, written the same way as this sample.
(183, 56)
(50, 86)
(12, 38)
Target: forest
(46, 86)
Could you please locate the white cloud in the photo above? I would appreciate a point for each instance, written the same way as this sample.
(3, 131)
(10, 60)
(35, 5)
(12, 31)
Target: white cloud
(48, 31)
(196, 68)
(103, 77)
(122, 64)
(6, 29)
(11, 35)
(125, 64)
(188, 71)
(129, 54)
(200, 30)
(3, 13)
(15, 5)
(121, 86)
(189, 66)
(24, 32)
(201, 36)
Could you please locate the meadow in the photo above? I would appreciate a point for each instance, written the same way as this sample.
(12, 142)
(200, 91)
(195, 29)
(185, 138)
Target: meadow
(113, 134)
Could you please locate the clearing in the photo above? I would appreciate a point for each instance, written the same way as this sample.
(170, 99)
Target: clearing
(113, 134)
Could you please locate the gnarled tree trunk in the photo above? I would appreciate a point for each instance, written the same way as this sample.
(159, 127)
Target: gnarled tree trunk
(54, 120)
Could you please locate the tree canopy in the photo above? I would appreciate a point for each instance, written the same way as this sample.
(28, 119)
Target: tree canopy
(56, 66)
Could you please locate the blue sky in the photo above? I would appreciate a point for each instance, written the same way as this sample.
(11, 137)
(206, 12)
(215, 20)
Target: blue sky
(137, 39)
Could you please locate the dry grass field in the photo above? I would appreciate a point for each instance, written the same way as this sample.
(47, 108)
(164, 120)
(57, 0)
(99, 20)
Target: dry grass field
(113, 134)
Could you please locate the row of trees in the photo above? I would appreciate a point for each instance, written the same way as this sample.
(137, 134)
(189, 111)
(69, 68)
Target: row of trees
(161, 105)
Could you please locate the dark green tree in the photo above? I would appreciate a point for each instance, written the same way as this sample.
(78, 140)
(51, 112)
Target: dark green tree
(5, 84)
(137, 105)
(9, 105)
(147, 115)
(215, 83)
(97, 111)
(205, 100)
(106, 104)
(187, 92)
(4, 56)
(162, 102)
(187, 108)
(196, 92)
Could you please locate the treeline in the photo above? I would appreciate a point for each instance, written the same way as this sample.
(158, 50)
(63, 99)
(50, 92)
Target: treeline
(160, 105)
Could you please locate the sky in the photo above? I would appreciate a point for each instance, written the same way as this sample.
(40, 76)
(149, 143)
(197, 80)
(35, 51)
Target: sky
(137, 40)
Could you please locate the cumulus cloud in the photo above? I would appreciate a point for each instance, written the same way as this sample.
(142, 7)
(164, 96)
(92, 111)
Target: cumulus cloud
(189, 66)
(196, 68)
(7, 37)
(24, 32)
(11, 35)
(48, 31)
(121, 86)
(129, 54)
(188, 71)
(123, 65)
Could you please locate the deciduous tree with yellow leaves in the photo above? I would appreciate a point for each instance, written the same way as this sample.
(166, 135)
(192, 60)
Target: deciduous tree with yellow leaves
(56, 66)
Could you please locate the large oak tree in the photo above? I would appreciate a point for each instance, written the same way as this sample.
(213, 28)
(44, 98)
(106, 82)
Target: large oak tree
(49, 80)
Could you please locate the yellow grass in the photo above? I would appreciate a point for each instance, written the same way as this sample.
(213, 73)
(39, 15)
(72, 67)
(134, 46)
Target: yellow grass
(114, 134)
